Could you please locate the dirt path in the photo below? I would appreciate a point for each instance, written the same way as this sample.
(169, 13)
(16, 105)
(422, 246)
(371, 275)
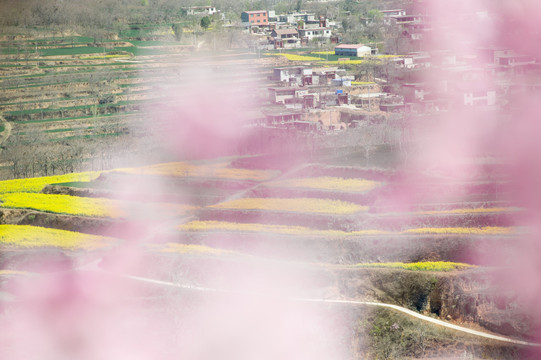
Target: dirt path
(353, 302)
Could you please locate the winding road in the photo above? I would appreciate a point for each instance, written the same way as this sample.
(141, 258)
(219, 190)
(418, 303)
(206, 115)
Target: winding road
(352, 302)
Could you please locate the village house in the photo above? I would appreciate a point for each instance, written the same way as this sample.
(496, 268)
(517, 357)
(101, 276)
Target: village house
(389, 15)
(201, 10)
(255, 18)
(324, 76)
(311, 33)
(286, 38)
(295, 18)
(297, 75)
(287, 95)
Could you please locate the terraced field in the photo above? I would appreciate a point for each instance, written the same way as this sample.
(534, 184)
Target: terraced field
(199, 218)
(80, 101)
(235, 225)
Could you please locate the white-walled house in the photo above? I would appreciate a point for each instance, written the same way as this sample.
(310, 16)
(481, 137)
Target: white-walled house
(311, 33)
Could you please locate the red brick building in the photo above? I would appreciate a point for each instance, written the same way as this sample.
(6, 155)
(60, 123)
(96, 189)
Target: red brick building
(257, 18)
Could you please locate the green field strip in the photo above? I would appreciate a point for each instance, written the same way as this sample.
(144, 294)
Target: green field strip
(39, 60)
(143, 43)
(86, 71)
(69, 129)
(49, 100)
(66, 40)
(114, 64)
(90, 136)
(74, 118)
(142, 51)
(70, 108)
(84, 184)
(32, 85)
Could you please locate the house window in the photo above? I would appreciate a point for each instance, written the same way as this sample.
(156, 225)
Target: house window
(251, 15)
(258, 20)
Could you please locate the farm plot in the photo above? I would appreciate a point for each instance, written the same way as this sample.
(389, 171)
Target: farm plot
(224, 226)
(95, 207)
(26, 236)
(34, 185)
(180, 169)
(300, 205)
(66, 89)
(327, 183)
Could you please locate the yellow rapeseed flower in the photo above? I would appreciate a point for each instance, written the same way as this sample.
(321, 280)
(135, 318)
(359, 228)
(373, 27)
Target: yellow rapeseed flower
(99, 207)
(420, 266)
(191, 249)
(38, 183)
(302, 205)
(181, 169)
(487, 230)
(295, 57)
(27, 236)
(329, 183)
(467, 211)
(223, 226)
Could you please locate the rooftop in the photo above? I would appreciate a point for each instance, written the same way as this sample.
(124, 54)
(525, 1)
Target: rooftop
(349, 46)
(286, 31)
(393, 10)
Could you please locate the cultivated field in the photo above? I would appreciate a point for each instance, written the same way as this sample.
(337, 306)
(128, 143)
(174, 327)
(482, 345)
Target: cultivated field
(324, 228)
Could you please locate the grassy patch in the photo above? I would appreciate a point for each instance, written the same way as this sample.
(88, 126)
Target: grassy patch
(487, 230)
(81, 184)
(467, 211)
(181, 169)
(222, 226)
(301, 205)
(329, 183)
(419, 266)
(191, 249)
(27, 236)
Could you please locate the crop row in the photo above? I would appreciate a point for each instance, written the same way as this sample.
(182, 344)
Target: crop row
(420, 266)
(224, 226)
(34, 185)
(468, 211)
(190, 249)
(182, 169)
(303, 205)
(100, 207)
(328, 183)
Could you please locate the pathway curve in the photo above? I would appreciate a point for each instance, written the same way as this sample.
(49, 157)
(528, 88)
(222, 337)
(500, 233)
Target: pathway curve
(351, 302)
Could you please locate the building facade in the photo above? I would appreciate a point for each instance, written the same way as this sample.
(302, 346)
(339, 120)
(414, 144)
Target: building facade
(255, 18)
